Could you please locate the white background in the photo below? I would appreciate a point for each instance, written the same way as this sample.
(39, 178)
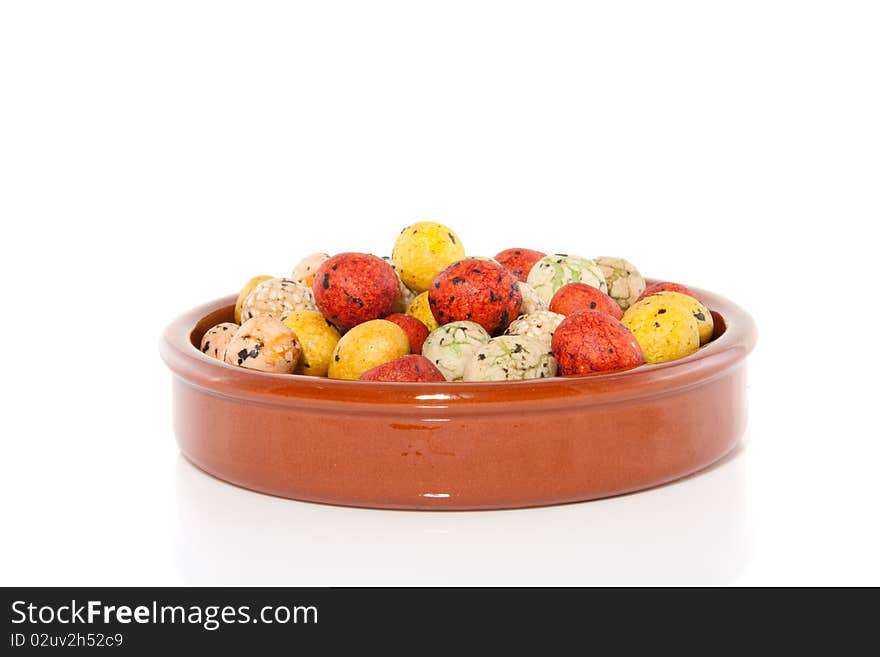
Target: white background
(156, 155)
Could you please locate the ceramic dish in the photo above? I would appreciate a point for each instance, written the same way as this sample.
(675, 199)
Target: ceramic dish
(458, 445)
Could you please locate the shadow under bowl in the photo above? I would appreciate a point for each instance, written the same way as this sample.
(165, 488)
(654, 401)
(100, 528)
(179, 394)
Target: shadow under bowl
(457, 446)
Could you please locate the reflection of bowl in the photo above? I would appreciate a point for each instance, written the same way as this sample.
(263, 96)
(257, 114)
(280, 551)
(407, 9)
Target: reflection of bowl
(458, 445)
(692, 532)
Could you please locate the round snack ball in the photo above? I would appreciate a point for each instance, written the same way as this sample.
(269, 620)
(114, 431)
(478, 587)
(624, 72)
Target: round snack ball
(667, 287)
(450, 346)
(705, 322)
(511, 358)
(277, 297)
(265, 344)
(304, 272)
(421, 310)
(245, 291)
(541, 324)
(519, 262)
(317, 338)
(216, 339)
(352, 288)
(413, 369)
(665, 331)
(414, 329)
(366, 346)
(552, 272)
(531, 302)
(407, 296)
(592, 341)
(624, 281)
(423, 250)
(577, 296)
(476, 290)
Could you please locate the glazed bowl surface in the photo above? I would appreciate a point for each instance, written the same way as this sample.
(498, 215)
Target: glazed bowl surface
(458, 445)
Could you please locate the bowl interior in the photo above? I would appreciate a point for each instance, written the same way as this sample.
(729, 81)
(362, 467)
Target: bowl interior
(227, 314)
(734, 336)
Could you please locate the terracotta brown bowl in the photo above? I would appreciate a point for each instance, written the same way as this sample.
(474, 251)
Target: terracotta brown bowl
(458, 445)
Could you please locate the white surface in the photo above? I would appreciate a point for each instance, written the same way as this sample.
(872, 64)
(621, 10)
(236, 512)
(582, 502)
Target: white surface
(156, 156)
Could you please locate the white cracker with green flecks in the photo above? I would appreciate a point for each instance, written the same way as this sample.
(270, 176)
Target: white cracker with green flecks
(624, 281)
(511, 358)
(552, 272)
(450, 346)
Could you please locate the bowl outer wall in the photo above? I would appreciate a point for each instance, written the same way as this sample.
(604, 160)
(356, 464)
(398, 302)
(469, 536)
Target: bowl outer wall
(458, 445)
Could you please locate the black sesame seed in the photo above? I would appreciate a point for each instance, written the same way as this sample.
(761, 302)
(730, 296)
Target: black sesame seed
(700, 316)
(662, 311)
(451, 237)
(326, 283)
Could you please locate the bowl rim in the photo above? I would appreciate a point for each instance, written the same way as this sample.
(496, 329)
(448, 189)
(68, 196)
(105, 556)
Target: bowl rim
(726, 351)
